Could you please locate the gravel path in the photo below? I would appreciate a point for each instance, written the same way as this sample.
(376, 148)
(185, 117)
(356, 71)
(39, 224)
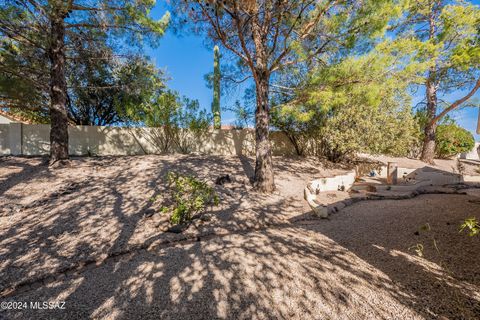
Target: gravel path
(360, 264)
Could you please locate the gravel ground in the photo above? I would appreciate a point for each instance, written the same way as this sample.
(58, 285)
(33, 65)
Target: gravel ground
(51, 220)
(359, 264)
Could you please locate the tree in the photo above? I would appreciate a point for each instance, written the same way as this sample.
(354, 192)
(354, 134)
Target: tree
(244, 115)
(180, 121)
(268, 35)
(359, 104)
(54, 30)
(108, 92)
(216, 89)
(452, 140)
(99, 91)
(446, 37)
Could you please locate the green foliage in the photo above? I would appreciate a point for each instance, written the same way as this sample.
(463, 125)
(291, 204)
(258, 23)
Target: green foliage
(216, 89)
(299, 124)
(244, 115)
(102, 42)
(34, 115)
(441, 40)
(180, 121)
(385, 130)
(190, 197)
(471, 225)
(452, 48)
(357, 105)
(23, 74)
(452, 140)
(421, 119)
(418, 248)
(104, 93)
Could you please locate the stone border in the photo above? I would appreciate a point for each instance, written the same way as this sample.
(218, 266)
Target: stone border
(323, 210)
(336, 183)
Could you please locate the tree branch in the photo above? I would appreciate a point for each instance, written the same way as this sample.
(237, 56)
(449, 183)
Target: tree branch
(457, 103)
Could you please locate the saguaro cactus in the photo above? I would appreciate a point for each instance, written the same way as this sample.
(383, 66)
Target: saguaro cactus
(216, 89)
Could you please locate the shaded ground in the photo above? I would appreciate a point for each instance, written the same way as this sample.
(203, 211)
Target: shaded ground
(360, 264)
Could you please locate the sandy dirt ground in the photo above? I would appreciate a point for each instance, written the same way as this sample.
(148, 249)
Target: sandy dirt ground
(80, 235)
(471, 167)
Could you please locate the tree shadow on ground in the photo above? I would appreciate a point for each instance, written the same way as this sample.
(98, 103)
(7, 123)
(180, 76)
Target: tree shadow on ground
(22, 171)
(416, 243)
(308, 269)
(281, 273)
(99, 203)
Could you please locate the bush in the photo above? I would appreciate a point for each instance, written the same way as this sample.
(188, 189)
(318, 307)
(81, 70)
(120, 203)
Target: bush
(472, 226)
(359, 104)
(190, 197)
(452, 140)
(179, 122)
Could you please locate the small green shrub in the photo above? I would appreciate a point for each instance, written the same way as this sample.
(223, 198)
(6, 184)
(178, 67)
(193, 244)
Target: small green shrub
(472, 226)
(452, 140)
(190, 196)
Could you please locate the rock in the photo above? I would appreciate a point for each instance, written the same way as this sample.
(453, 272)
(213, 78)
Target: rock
(223, 179)
(205, 217)
(229, 192)
(179, 228)
(148, 212)
(320, 211)
(331, 210)
(310, 188)
(340, 206)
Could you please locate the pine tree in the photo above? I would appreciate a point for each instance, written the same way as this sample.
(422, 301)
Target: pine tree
(444, 36)
(267, 36)
(54, 31)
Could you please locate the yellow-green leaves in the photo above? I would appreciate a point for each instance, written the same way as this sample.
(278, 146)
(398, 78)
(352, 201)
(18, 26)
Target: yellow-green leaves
(358, 104)
(441, 37)
(189, 195)
(471, 225)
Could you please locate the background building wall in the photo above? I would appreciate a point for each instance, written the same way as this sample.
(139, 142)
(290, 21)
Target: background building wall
(34, 140)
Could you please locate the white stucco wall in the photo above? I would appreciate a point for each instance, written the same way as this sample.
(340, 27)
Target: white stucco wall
(4, 120)
(473, 154)
(33, 139)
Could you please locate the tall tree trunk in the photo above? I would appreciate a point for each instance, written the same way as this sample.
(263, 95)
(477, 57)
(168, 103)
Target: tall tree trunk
(58, 89)
(264, 181)
(428, 150)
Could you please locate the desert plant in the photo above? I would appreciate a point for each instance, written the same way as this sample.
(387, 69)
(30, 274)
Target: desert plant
(190, 196)
(452, 140)
(472, 226)
(192, 124)
(180, 122)
(216, 89)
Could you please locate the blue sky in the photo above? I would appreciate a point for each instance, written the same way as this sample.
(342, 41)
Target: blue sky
(186, 59)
